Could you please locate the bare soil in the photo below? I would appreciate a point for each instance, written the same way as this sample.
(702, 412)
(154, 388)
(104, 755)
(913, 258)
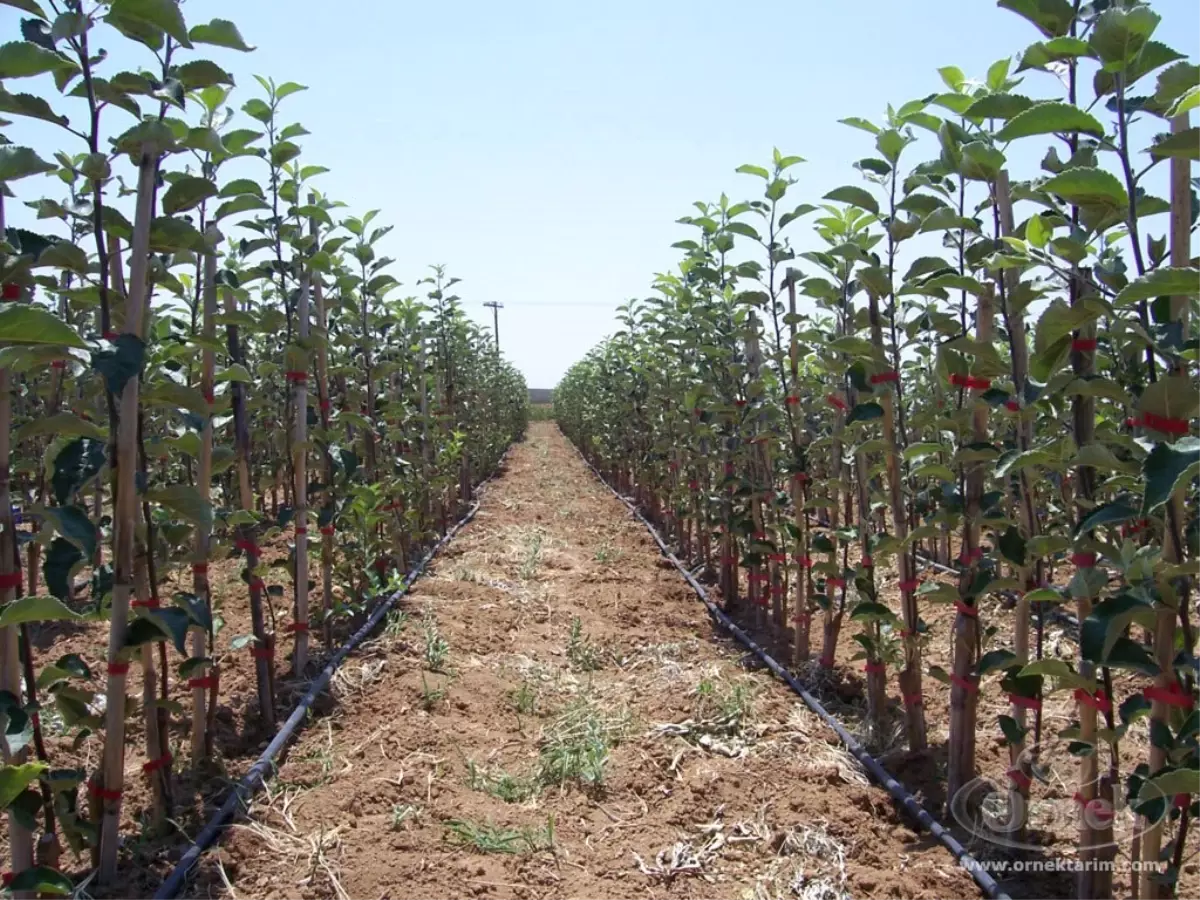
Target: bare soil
(643, 758)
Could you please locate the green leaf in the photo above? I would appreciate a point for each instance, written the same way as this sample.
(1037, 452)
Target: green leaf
(1184, 145)
(72, 523)
(36, 609)
(1089, 187)
(58, 424)
(1106, 622)
(123, 362)
(1108, 514)
(61, 561)
(186, 501)
(23, 59)
(41, 880)
(15, 779)
(186, 193)
(1187, 102)
(24, 323)
(997, 660)
(283, 152)
(168, 393)
(855, 196)
(1165, 282)
(1058, 669)
(998, 106)
(29, 6)
(1041, 54)
(860, 123)
(1052, 17)
(29, 105)
(64, 255)
(864, 412)
(1168, 784)
(20, 162)
(1129, 654)
(241, 186)
(221, 33)
(1037, 232)
(161, 14)
(201, 73)
(1050, 117)
(1167, 470)
(1119, 34)
(244, 203)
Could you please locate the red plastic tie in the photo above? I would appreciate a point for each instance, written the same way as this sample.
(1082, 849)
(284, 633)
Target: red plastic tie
(96, 791)
(971, 612)
(6, 878)
(1172, 696)
(1083, 560)
(10, 580)
(826, 662)
(248, 545)
(1084, 345)
(152, 603)
(257, 584)
(964, 557)
(739, 403)
(1012, 405)
(693, 485)
(885, 377)
(801, 477)
(803, 617)
(10, 291)
(836, 582)
(301, 529)
(297, 377)
(1020, 779)
(1131, 422)
(155, 764)
(1165, 424)
(110, 336)
(58, 364)
(324, 404)
(206, 682)
(298, 628)
(673, 466)
(910, 586)
(1098, 701)
(867, 563)
(804, 561)
(199, 568)
(209, 397)
(836, 402)
(913, 700)
(778, 557)
(791, 400)
(1024, 702)
(971, 687)
(327, 529)
(118, 668)
(874, 668)
(1183, 801)
(971, 382)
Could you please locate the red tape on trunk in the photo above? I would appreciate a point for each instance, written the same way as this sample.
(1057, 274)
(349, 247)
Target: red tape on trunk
(885, 377)
(199, 568)
(826, 662)
(971, 687)
(971, 382)
(301, 529)
(1171, 696)
(971, 612)
(1098, 701)
(836, 402)
(804, 561)
(297, 377)
(10, 580)
(324, 404)
(118, 668)
(10, 291)
(96, 791)
(1019, 778)
(1183, 801)
(1083, 345)
(1165, 424)
(1083, 560)
(791, 400)
(58, 364)
(1024, 702)
(152, 603)
(327, 529)
(913, 700)
(874, 668)
(836, 582)
(155, 764)
(1012, 405)
(206, 682)
(910, 586)
(298, 628)
(247, 545)
(868, 563)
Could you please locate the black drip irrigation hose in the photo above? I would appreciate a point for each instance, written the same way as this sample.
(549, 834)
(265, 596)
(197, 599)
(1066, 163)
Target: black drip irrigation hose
(254, 779)
(899, 793)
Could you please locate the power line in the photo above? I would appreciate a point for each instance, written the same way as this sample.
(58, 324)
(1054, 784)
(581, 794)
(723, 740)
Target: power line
(495, 307)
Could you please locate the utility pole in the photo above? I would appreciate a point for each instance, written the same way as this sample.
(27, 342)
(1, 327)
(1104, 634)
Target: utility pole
(496, 307)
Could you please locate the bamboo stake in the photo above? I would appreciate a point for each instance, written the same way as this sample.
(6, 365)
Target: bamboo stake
(264, 647)
(1173, 551)
(112, 780)
(299, 379)
(203, 682)
(964, 687)
(327, 530)
(20, 838)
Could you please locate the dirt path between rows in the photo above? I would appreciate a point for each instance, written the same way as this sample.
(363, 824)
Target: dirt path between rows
(553, 715)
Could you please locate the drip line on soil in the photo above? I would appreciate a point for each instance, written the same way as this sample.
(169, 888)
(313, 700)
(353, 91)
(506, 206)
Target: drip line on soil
(897, 790)
(253, 780)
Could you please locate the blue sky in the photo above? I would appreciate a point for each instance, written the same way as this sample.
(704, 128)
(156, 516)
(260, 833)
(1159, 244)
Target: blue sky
(544, 150)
